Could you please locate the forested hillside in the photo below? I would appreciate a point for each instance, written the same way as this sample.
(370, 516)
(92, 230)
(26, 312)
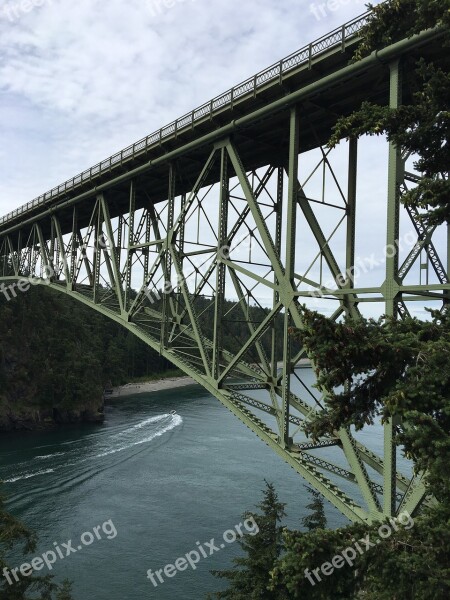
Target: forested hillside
(56, 356)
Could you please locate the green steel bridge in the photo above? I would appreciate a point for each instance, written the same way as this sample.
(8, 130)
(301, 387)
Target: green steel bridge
(216, 205)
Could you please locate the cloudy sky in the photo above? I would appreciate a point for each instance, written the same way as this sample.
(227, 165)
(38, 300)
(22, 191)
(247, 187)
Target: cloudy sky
(80, 80)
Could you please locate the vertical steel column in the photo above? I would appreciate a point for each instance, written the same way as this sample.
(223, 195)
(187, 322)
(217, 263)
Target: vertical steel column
(351, 211)
(3, 258)
(290, 267)
(60, 251)
(17, 261)
(222, 240)
(119, 240)
(97, 257)
(181, 237)
(130, 244)
(57, 256)
(43, 251)
(30, 259)
(276, 292)
(110, 253)
(19, 248)
(182, 229)
(395, 177)
(52, 248)
(148, 228)
(167, 260)
(73, 250)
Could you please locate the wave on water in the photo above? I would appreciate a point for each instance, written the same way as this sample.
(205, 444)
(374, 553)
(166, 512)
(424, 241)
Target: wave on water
(140, 433)
(46, 456)
(28, 475)
(153, 420)
(175, 421)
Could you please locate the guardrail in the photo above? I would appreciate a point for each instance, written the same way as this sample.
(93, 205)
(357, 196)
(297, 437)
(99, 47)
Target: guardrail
(336, 38)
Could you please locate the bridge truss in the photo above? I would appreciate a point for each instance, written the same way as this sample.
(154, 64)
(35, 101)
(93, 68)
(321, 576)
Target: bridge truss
(162, 247)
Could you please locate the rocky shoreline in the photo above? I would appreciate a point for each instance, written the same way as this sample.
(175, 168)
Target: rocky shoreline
(32, 419)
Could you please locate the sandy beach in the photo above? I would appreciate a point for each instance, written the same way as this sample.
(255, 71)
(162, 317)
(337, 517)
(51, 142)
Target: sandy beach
(150, 386)
(168, 383)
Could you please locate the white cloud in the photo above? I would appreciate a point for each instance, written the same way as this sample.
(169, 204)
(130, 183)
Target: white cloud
(80, 80)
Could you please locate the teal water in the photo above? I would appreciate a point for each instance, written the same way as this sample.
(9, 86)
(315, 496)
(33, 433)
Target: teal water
(165, 481)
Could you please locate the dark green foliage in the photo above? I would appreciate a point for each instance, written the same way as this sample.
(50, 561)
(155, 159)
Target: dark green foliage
(394, 20)
(411, 564)
(251, 577)
(64, 593)
(396, 368)
(56, 355)
(422, 126)
(316, 519)
(14, 536)
(309, 551)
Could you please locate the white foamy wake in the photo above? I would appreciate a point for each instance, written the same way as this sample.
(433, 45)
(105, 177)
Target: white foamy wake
(175, 420)
(144, 424)
(46, 456)
(28, 475)
(129, 438)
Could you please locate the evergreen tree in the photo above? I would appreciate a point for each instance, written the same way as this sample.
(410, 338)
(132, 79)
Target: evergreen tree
(317, 518)
(64, 593)
(392, 368)
(14, 536)
(251, 578)
(421, 127)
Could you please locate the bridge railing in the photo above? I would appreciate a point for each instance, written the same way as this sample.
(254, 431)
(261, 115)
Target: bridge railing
(336, 38)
